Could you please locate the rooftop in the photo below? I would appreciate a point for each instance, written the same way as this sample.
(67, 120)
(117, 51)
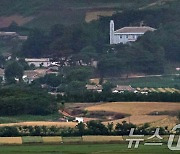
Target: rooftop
(123, 88)
(7, 33)
(37, 59)
(142, 29)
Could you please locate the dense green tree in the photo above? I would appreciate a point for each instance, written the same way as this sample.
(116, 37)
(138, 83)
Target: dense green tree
(13, 70)
(81, 74)
(86, 55)
(2, 61)
(81, 128)
(52, 80)
(96, 128)
(36, 45)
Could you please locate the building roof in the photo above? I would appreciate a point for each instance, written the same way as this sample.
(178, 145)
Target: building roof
(94, 87)
(123, 88)
(8, 33)
(31, 74)
(37, 59)
(128, 30)
(35, 73)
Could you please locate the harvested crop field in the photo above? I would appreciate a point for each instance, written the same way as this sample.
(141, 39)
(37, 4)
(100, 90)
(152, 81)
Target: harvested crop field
(135, 108)
(102, 138)
(42, 123)
(52, 139)
(140, 111)
(10, 140)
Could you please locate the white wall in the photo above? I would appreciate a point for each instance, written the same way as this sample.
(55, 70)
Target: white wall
(37, 64)
(125, 38)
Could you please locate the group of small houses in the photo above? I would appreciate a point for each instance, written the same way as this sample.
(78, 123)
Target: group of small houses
(31, 75)
(42, 67)
(129, 88)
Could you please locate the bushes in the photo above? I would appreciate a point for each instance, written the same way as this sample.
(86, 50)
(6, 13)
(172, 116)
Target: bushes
(9, 131)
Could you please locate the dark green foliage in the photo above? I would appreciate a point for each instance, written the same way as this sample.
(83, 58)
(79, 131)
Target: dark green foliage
(51, 80)
(96, 128)
(114, 97)
(81, 128)
(91, 128)
(14, 70)
(36, 45)
(21, 100)
(81, 74)
(9, 131)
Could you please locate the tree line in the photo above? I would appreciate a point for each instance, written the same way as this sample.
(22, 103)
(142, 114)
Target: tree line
(91, 128)
(89, 96)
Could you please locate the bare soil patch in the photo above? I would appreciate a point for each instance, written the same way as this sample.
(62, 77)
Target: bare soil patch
(5, 21)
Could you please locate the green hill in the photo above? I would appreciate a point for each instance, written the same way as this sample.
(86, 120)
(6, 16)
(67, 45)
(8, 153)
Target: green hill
(45, 13)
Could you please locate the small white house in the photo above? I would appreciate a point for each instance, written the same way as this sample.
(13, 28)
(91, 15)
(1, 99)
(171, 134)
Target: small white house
(38, 62)
(127, 34)
(79, 119)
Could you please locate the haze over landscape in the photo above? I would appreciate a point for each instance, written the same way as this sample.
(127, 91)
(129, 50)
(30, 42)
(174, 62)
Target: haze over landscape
(86, 72)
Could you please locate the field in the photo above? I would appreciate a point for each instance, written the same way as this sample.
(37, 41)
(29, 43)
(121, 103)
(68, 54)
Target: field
(85, 149)
(42, 123)
(22, 118)
(156, 113)
(170, 81)
(141, 112)
(43, 14)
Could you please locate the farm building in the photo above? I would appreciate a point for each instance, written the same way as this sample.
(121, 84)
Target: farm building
(127, 34)
(97, 88)
(121, 89)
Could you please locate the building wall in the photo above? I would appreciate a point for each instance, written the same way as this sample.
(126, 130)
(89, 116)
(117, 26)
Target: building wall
(38, 64)
(125, 38)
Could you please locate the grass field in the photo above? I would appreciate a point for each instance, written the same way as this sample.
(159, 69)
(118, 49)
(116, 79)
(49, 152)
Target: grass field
(151, 82)
(85, 149)
(23, 118)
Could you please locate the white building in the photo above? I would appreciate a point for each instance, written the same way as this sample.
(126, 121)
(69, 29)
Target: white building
(44, 62)
(79, 119)
(127, 34)
(11, 35)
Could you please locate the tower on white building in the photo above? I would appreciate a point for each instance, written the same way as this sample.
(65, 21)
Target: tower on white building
(111, 32)
(127, 34)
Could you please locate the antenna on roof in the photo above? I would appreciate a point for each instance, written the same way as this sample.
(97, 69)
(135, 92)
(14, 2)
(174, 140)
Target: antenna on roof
(141, 23)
